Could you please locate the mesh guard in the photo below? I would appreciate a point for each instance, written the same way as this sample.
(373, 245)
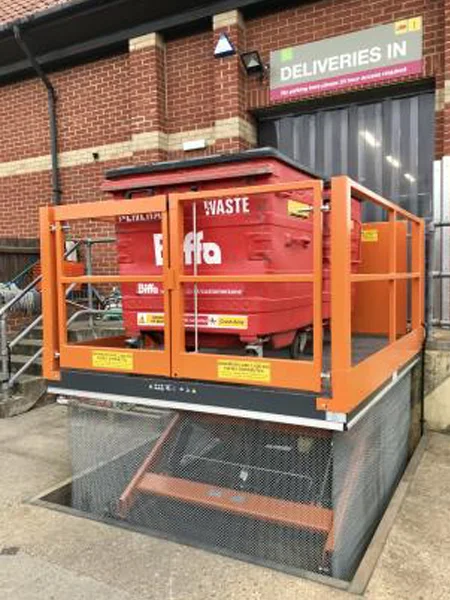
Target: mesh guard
(289, 497)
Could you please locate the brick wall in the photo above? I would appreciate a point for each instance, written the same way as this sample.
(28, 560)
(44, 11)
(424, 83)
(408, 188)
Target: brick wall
(141, 106)
(190, 73)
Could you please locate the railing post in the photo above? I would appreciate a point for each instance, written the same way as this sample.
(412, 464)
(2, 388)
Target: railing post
(392, 328)
(89, 285)
(418, 266)
(4, 352)
(341, 287)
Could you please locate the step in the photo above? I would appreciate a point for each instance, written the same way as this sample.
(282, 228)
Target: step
(16, 404)
(19, 360)
(82, 331)
(27, 392)
(36, 333)
(101, 329)
(27, 346)
(31, 385)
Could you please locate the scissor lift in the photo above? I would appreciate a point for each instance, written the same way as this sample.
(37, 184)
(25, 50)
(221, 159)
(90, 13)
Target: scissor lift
(293, 401)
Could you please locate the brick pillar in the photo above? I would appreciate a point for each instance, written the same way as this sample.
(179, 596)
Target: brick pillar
(147, 98)
(234, 127)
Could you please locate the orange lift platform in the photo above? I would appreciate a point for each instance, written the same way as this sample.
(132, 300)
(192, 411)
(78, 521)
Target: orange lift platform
(373, 332)
(325, 389)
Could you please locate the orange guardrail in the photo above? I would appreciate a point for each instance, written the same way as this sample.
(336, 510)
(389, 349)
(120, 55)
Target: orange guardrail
(350, 384)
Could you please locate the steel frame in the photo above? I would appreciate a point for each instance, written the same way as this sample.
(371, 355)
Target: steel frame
(273, 510)
(350, 385)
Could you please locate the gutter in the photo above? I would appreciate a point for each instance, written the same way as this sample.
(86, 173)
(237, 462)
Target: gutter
(46, 14)
(51, 94)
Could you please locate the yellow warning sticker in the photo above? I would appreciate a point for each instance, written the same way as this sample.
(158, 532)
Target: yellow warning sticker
(401, 27)
(369, 235)
(415, 24)
(244, 370)
(204, 321)
(154, 319)
(231, 322)
(298, 209)
(108, 359)
(407, 25)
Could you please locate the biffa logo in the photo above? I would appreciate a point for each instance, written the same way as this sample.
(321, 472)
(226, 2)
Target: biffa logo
(208, 253)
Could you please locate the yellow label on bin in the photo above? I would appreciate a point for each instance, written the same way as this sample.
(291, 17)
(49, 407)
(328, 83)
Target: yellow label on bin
(231, 322)
(244, 370)
(109, 359)
(155, 319)
(369, 235)
(298, 209)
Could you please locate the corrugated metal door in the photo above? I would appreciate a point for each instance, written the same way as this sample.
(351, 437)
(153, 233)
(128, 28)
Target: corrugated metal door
(387, 145)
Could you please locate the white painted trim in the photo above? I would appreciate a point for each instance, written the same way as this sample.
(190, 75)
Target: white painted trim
(202, 408)
(226, 19)
(234, 127)
(150, 40)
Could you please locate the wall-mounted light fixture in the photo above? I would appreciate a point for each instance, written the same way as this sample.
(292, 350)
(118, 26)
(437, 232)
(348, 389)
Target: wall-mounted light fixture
(253, 64)
(224, 47)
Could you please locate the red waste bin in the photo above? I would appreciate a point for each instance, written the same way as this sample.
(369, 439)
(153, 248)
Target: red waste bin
(235, 235)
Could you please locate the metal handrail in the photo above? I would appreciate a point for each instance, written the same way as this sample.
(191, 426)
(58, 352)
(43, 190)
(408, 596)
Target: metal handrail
(85, 311)
(4, 309)
(5, 347)
(39, 352)
(17, 374)
(23, 273)
(8, 381)
(25, 332)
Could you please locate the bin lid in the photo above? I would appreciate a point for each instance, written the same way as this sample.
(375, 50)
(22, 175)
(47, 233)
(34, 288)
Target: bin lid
(118, 178)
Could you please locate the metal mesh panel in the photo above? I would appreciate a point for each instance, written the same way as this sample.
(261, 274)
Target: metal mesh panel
(107, 446)
(367, 463)
(286, 496)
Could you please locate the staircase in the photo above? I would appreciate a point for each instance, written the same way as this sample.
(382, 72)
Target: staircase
(21, 381)
(30, 387)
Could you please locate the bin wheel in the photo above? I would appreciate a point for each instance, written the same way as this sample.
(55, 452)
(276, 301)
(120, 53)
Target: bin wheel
(254, 350)
(298, 346)
(251, 352)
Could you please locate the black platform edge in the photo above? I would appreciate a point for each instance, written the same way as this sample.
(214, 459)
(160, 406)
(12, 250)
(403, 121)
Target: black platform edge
(260, 403)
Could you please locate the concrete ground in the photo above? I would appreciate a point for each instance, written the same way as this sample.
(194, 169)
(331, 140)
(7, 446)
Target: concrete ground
(45, 554)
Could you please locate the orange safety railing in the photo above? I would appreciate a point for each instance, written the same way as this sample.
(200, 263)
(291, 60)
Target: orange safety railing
(280, 373)
(353, 384)
(58, 353)
(349, 384)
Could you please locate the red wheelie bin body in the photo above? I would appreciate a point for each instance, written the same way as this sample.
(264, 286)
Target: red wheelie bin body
(227, 235)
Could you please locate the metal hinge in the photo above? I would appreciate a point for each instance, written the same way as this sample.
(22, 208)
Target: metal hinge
(54, 227)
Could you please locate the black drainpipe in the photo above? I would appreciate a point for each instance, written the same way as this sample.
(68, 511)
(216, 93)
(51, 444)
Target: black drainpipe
(51, 93)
